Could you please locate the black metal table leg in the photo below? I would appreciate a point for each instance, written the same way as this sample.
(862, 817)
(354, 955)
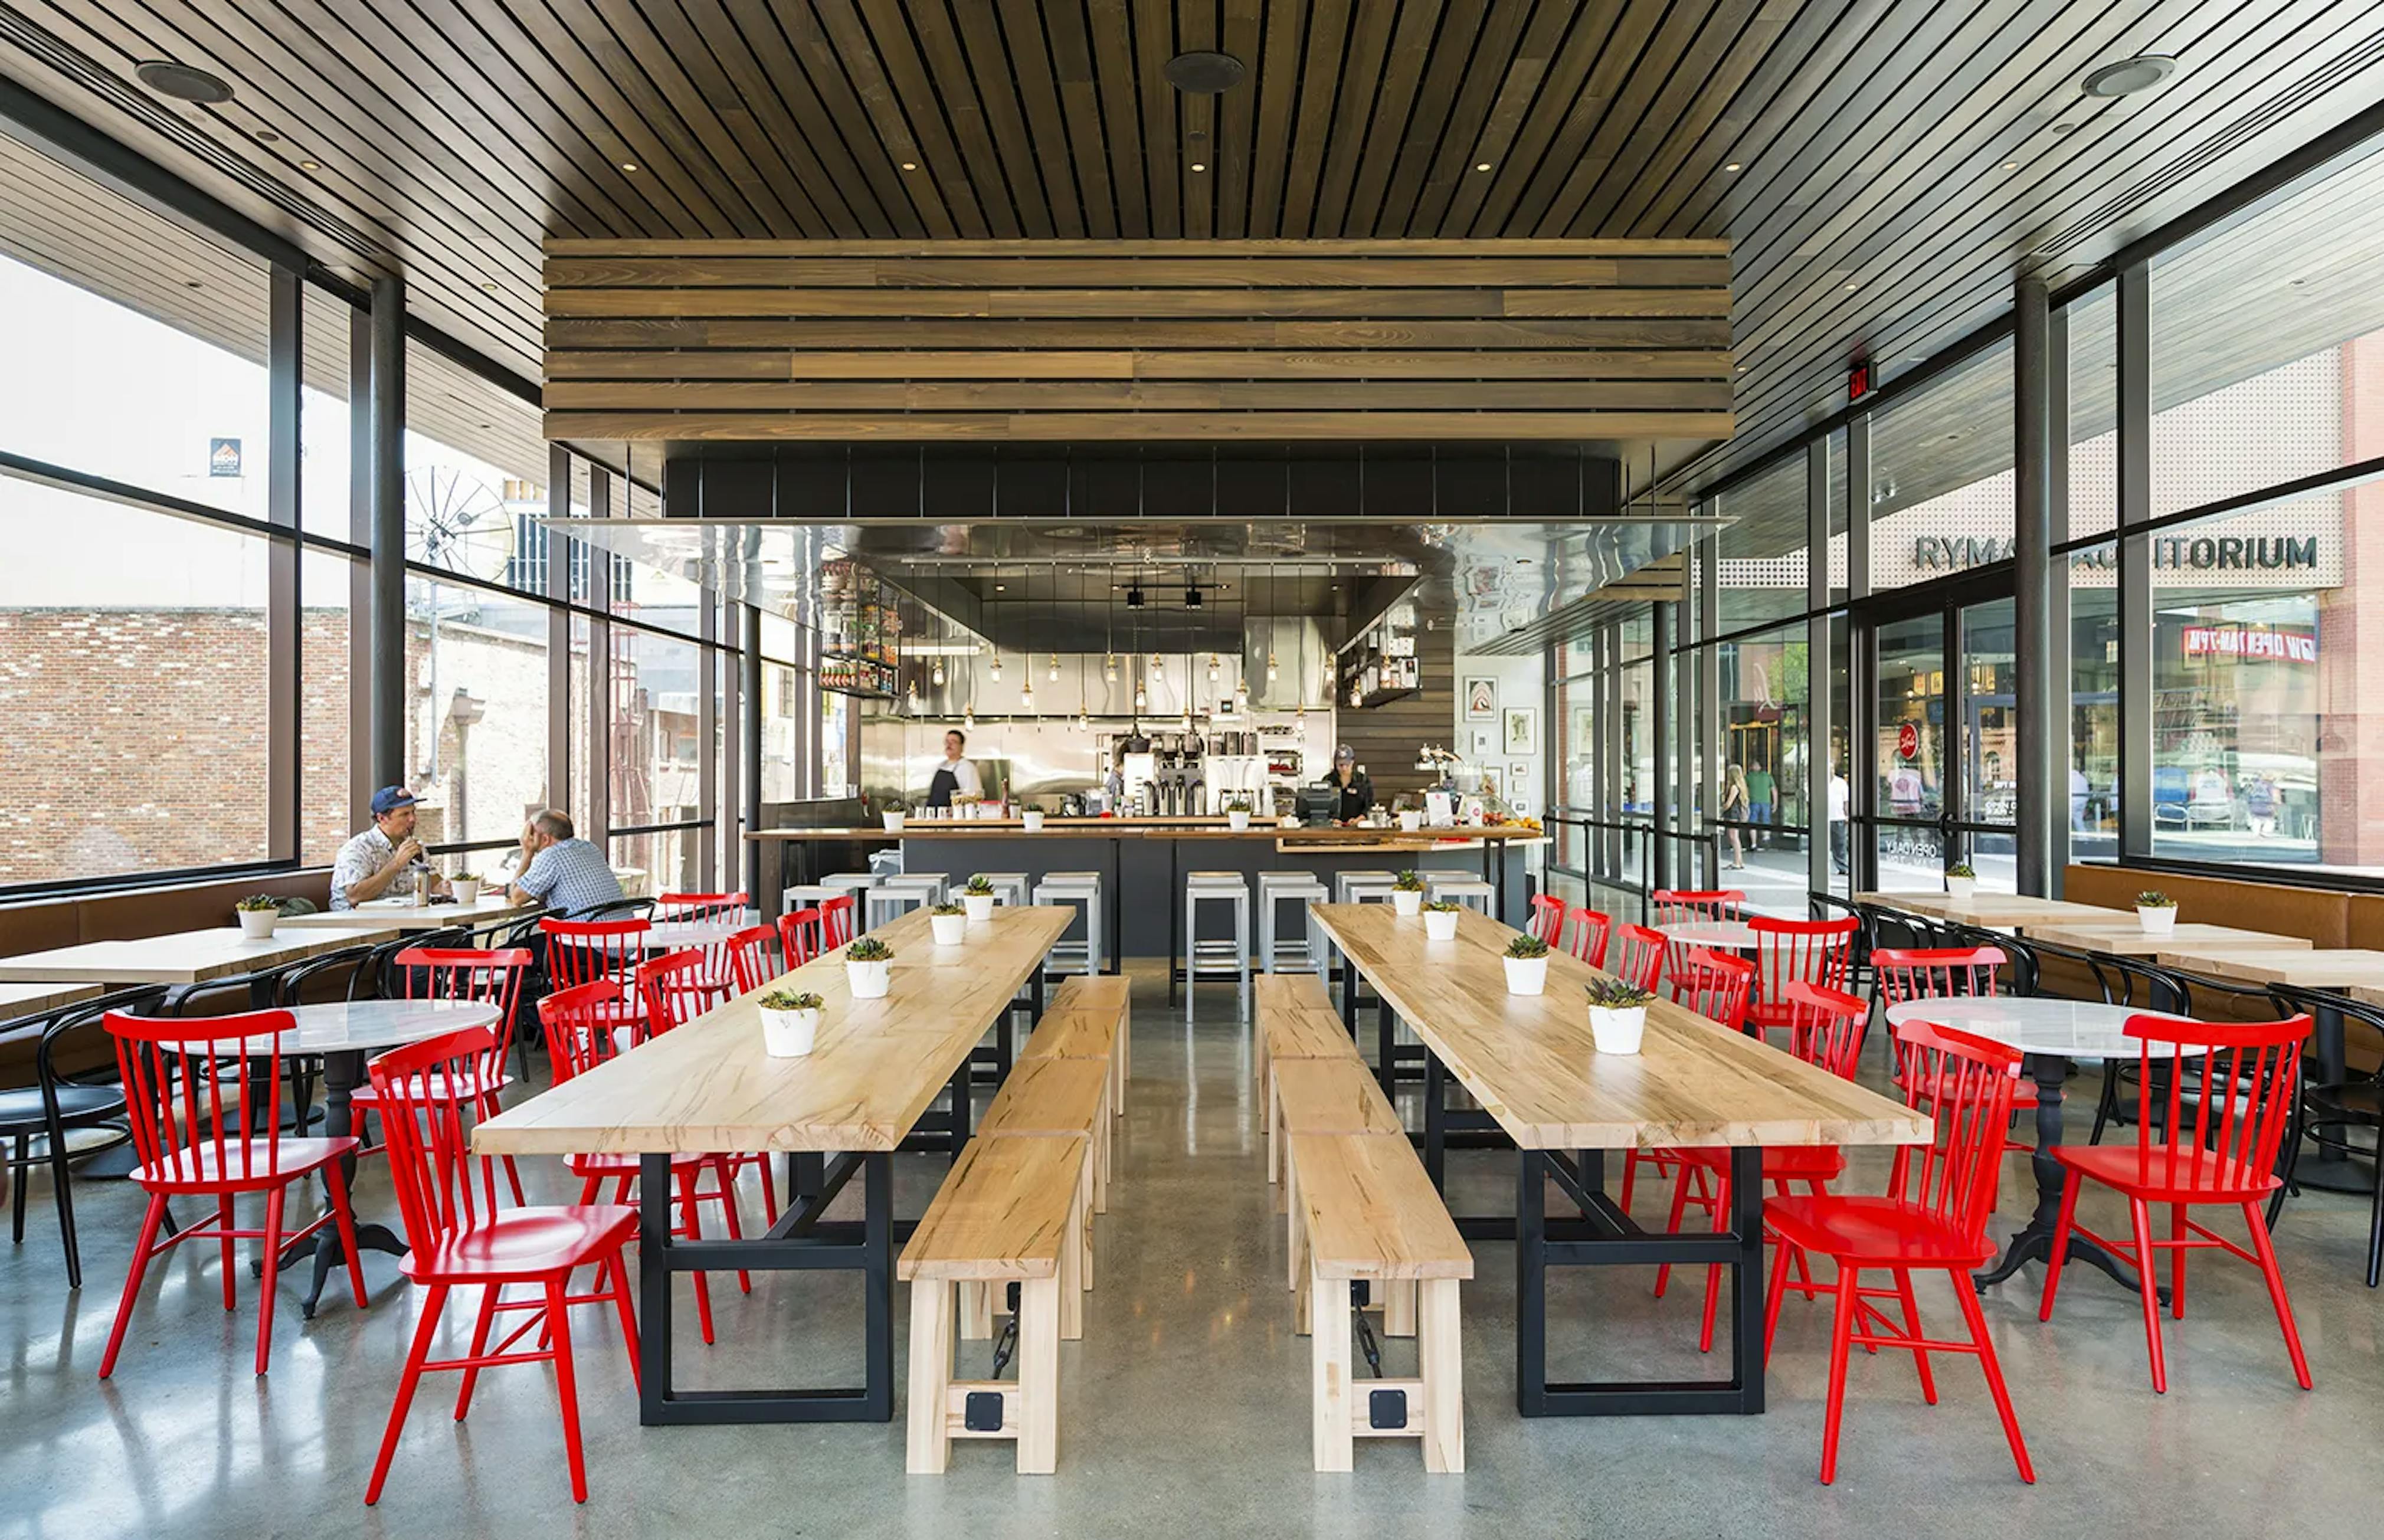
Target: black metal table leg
(655, 1197)
(2035, 1241)
(343, 1073)
(1385, 1031)
(1531, 1287)
(1435, 1122)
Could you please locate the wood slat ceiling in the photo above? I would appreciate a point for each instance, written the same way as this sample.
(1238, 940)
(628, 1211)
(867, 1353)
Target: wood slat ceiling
(1900, 161)
(1619, 341)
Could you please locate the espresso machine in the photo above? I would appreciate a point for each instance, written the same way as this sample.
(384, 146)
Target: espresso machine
(1178, 786)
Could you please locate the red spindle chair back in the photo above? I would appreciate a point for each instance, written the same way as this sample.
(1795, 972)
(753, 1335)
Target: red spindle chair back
(1716, 987)
(184, 1098)
(485, 978)
(679, 987)
(580, 1024)
(1933, 973)
(1548, 917)
(581, 951)
(1801, 951)
(1588, 941)
(802, 935)
(1966, 1085)
(428, 1129)
(1826, 1026)
(1639, 956)
(1682, 906)
(703, 906)
(749, 966)
(836, 922)
(2228, 1133)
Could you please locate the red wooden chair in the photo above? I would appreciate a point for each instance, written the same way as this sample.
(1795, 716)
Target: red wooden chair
(1826, 1029)
(705, 908)
(185, 1087)
(454, 1244)
(677, 987)
(1588, 939)
(836, 922)
(1933, 1218)
(484, 977)
(2216, 1144)
(584, 951)
(801, 934)
(1796, 952)
(750, 965)
(1941, 973)
(1548, 917)
(1638, 956)
(1683, 906)
(1716, 986)
(584, 1028)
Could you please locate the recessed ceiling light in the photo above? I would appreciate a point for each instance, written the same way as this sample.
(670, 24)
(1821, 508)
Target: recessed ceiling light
(489, 288)
(628, 166)
(910, 166)
(192, 284)
(2065, 127)
(1199, 166)
(1204, 73)
(1742, 369)
(1852, 287)
(2011, 165)
(182, 82)
(2128, 76)
(310, 166)
(1482, 165)
(1001, 588)
(1733, 166)
(266, 136)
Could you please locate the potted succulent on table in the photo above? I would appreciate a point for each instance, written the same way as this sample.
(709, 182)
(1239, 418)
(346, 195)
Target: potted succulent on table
(1237, 811)
(1440, 920)
(1527, 965)
(2156, 911)
(869, 968)
(468, 887)
(892, 812)
(977, 898)
(1961, 880)
(1033, 818)
(1617, 1015)
(949, 922)
(790, 1021)
(256, 914)
(1410, 816)
(1407, 893)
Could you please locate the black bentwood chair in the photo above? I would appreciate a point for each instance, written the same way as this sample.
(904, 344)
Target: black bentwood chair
(74, 1087)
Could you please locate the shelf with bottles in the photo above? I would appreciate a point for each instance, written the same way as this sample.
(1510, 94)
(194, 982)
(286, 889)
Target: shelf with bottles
(1381, 665)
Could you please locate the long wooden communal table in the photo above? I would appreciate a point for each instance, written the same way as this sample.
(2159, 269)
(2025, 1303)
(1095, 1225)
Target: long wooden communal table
(1992, 911)
(878, 1066)
(1530, 1062)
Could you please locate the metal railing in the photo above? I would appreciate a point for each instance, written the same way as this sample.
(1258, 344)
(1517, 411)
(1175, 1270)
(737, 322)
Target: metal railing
(1695, 858)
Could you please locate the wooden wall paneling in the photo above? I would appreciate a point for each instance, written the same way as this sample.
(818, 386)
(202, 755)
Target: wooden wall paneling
(968, 41)
(1387, 737)
(1061, 146)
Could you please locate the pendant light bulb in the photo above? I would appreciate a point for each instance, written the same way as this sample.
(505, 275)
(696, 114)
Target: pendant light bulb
(1027, 696)
(1051, 675)
(1241, 698)
(1273, 671)
(1215, 668)
(968, 717)
(939, 673)
(1141, 697)
(995, 670)
(1156, 666)
(1109, 668)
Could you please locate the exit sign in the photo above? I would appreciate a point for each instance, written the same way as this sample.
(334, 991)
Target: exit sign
(1858, 381)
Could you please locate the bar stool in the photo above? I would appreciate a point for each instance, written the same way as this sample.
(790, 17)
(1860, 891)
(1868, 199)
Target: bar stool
(1471, 891)
(1307, 954)
(1082, 888)
(1217, 956)
(1347, 886)
(1009, 888)
(898, 896)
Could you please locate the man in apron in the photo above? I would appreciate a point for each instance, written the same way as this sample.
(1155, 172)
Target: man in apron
(955, 776)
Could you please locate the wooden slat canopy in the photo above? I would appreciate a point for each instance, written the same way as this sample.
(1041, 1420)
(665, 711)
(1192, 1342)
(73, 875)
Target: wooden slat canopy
(1138, 340)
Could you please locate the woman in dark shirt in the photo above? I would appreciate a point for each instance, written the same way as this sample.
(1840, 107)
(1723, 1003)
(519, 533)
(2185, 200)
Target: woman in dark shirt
(1349, 783)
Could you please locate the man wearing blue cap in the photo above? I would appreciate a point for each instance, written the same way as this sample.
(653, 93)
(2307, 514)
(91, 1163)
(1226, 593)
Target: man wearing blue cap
(385, 861)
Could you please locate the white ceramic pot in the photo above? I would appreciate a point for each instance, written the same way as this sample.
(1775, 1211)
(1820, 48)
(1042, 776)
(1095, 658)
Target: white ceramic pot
(1406, 902)
(979, 907)
(1440, 925)
(1961, 888)
(2156, 921)
(950, 930)
(893, 823)
(466, 892)
(1237, 820)
(1618, 1031)
(256, 924)
(1410, 822)
(1526, 975)
(789, 1034)
(869, 980)
(1034, 817)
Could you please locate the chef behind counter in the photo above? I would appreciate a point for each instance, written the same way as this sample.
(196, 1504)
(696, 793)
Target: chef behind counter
(1349, 784)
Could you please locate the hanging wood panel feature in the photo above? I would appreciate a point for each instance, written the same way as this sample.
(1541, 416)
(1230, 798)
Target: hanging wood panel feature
(1149, 340)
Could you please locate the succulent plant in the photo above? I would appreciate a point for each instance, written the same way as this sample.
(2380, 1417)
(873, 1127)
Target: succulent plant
(1441, 906)
(948, 909)
(1409, 882)
(869, 948)
(2152, 898)
(258, 903)
(1526, 947)
(979, 885)
(790, 999)
(1615, 994)
(1961, 869)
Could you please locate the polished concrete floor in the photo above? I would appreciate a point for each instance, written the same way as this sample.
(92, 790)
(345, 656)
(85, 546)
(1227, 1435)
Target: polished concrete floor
(1184, 1410)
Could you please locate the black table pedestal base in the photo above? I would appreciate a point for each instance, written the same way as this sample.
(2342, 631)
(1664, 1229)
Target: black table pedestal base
(324, 1248)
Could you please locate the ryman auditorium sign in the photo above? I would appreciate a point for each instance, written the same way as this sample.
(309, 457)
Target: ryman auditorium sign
(2194, 553)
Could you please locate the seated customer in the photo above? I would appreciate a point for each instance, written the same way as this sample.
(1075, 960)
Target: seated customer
(568, 875)
(385, 861)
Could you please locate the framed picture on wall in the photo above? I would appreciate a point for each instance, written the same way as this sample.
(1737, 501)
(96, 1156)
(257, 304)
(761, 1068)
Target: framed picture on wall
(1523, 730)
(1482, 699)
(1485, 743)
(1519, 776)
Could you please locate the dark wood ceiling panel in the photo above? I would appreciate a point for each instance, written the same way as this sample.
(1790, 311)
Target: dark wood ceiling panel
(447, 138)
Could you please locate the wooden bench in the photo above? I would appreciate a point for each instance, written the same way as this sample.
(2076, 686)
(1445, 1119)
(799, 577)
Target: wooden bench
(1295, 1020)
(1367, 1213)
(1053, 1098)
(1012, 1211)
(1089, 1017)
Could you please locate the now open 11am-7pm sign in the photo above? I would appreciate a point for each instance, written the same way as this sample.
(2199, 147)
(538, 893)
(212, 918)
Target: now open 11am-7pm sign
(2236, 642)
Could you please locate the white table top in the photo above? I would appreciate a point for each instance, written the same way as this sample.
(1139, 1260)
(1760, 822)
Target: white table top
(188, 957)
(1730, 935)
(27, 997)
(360, 1027)
(402, 914)
(2063, 1028)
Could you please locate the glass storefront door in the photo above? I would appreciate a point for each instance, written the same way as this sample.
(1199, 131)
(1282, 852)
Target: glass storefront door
(1940, 775)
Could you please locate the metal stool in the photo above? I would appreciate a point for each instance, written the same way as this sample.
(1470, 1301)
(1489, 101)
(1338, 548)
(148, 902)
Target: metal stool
(1471, 891)
(1009, 888)
(899, 895)
(1308, 953)
(1217, 956)
(1078, 887)
(1345, 884)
